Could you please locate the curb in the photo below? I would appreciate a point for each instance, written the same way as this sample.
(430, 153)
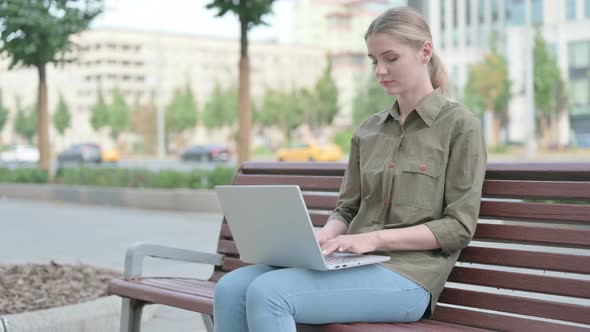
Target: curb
(99, 315)
(157, 199)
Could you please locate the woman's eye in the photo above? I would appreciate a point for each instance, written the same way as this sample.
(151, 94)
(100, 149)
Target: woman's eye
(374, 63)
(391, 60)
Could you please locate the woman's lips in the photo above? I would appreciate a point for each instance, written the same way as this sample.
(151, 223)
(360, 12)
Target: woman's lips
(386, 83)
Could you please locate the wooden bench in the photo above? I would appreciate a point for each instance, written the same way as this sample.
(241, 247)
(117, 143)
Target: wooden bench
(528, 268)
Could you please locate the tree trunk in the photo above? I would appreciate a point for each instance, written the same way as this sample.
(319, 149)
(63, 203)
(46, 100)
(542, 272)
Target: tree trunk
(545, 133)
(245, 112)
(43, 120)
(496, 126)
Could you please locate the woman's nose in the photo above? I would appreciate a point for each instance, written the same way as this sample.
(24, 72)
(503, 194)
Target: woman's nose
(380, 69)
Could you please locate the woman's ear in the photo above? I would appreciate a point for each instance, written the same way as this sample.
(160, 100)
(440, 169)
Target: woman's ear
(426, 52)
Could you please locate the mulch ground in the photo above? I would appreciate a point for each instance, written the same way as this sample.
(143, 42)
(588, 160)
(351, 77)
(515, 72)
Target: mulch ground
(34, 286)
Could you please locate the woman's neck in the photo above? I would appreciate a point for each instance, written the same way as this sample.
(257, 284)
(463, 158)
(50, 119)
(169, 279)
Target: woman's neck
(409, 100)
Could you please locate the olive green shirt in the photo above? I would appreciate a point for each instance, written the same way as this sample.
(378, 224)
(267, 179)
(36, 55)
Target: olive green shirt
(429, 171)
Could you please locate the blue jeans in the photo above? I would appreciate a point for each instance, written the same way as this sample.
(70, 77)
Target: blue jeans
(262, 298)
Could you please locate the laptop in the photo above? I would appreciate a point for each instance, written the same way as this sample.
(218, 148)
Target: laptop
(270, 225)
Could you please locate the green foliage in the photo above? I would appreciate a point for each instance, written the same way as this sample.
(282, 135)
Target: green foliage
(488, 85)
(250, 11)
(222, 107)
(3, 113)
(118, 114)
(546, 76)
(285, 110)
(25, 124)
(61, 117)
(343, 139)
(23, 175)
(141, 178)
(370, 98)
(181, 114)
(100, 113)
(34, 33)
(327, 98)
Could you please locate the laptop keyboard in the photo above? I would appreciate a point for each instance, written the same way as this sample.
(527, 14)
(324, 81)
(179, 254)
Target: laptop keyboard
(337, 260)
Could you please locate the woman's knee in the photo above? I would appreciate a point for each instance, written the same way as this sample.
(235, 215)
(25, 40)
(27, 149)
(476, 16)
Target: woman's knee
(265, 291)
(237, 282)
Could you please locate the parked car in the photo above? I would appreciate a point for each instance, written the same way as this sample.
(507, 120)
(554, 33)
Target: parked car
(81, 153)
(311, 152)
(205, 152)
(110, 154)
(20, 154)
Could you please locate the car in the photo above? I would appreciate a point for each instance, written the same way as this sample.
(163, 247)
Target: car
(311, 152)
(81, 153)
(20, 154)
(205, 152)
(110, 154)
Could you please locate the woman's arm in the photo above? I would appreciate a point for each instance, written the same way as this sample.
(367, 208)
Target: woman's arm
(417, 237)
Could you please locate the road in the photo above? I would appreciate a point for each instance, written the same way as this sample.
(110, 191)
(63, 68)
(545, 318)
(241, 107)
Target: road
(38, 232)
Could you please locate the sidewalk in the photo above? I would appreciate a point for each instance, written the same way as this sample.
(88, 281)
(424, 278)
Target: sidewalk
(38, 232)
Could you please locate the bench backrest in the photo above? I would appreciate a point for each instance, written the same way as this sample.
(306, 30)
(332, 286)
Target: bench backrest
(530, 255)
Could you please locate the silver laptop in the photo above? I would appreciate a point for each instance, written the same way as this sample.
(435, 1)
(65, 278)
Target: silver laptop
(271, 225)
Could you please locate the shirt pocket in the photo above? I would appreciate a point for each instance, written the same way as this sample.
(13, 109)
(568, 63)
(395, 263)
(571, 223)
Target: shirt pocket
(417, 183)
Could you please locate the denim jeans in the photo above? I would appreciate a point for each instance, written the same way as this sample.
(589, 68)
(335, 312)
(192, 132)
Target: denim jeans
(261, 298)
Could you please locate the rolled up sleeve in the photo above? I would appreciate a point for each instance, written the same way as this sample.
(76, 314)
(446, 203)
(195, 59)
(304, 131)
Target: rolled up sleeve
(350, 190)
(463, 185)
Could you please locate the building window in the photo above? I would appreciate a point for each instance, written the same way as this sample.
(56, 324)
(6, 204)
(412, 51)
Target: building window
(580, 96)
(442, 15)
(579, 55)
(515, 12)
(571, 9)
(455, 14)
(481, 9)
(537, 11)
(468, 12)
(587, 8)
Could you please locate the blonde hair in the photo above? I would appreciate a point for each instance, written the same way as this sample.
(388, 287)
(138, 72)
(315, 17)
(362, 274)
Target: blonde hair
(411, 28)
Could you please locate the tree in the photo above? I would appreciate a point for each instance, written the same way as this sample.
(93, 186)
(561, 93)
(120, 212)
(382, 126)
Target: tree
(36, 33)
(550, 92)
(3, 113)
(250, 13)
(181, 114)
(25, 123)
(369, 99)
(100, 113)
(118, 114)
(144, 123)
(281, 109)
(327, 98)
(61, 117)
(488, 89)
(221, 108)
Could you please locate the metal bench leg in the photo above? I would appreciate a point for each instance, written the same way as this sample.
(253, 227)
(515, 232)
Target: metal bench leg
(131, 315)
(208, 320)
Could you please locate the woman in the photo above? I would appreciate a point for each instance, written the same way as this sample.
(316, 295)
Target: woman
(411, 190)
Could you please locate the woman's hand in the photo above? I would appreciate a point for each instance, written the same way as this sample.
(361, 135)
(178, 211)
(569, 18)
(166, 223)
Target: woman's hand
(357, 243)
(323, 235)
(332, 229)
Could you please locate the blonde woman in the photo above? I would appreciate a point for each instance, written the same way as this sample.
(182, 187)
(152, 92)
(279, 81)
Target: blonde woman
(411, 190)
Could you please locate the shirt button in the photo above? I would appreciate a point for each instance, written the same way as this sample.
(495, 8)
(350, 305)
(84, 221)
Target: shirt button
(386, 201)
(423, 168)
(391, 165)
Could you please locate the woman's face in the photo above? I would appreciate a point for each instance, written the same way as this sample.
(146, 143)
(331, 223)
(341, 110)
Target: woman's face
(398, 67)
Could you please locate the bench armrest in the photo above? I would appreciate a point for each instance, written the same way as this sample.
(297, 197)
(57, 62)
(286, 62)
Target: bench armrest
(138, 251)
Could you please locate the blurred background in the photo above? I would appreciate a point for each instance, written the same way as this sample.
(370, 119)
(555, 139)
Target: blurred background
(156, 83)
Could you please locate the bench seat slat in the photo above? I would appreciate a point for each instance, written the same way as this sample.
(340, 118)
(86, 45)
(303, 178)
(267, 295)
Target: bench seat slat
(517, 305)
(422, 326)
(308, 182)
(154, 294)
(535, 211)
(498, 322)
(532, 234)
(526, 259)
(545, 190)
(293, 168)
(521, 281)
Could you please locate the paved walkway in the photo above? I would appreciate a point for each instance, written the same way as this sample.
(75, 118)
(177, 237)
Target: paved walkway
(37, 232)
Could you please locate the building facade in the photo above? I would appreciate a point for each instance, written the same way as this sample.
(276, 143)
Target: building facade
(146, 64)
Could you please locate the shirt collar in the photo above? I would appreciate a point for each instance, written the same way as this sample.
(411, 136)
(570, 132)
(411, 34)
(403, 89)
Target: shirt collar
(428, 109)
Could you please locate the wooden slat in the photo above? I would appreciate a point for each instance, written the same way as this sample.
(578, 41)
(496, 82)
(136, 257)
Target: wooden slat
(307, 182)
(320, 202)
(517, 305)
(533, 234)
(526, 259)
(289, 168)
(535, 211)
(544, 171)
(521, 281)
(230, 264)
(225, 232)
(546, 190)
(421, 326)
(318, 219)
(499, 322)
(227, 247)
(152, 294)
